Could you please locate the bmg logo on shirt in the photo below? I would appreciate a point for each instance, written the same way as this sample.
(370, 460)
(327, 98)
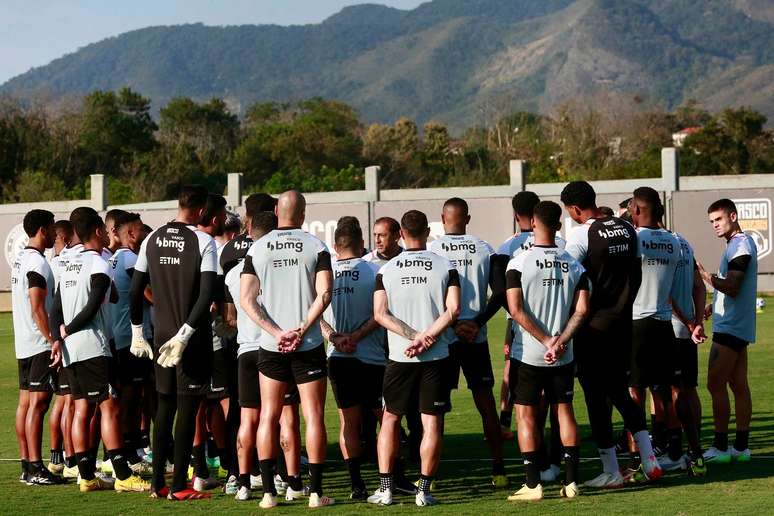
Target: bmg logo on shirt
(292, 245)
(164, 242)
(612, 233)
(658, 246)
(354, 274)
(545, 263)
(416, 262)
(459, 246)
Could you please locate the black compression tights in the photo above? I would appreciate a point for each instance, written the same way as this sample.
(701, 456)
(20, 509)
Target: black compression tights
(186, 408)
(162, 437)
(599, 393)
(185, 428)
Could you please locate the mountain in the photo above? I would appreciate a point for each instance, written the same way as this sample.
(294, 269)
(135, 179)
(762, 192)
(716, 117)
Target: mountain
(447, 60)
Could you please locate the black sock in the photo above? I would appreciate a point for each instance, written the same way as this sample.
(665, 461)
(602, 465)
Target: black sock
(399, 471)
(105, 454)
(721, 441)
(660, 435)
(315, 472)
(199, 462)
(353, 465)
(25, 466)
(675, 445)
(120, 466)
(571, 462)
(555, 449)
(295, 483)
(742, 440)
(542, 455)
(144, 439)
(57, 456)
(498, 467)
(256, 470)
(86, 466)
(506, 418)
(225, 463)
(385, 481)
(36, 466)
(267, 475)
(424, 483)
(532, 468)
(244, 480)
(70, 461)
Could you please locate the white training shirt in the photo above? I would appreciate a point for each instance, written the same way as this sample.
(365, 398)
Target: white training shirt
(29, 269)
(736, 315)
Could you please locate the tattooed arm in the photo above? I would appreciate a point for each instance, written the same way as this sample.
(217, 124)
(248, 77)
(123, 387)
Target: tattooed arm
(249, 288)
(384, 317)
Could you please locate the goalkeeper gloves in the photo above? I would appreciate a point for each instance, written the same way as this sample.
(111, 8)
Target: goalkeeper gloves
(171, 352)
(140, 347)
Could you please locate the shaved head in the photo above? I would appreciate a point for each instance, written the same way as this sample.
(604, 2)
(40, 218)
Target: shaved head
(291, 207)
(455, 215)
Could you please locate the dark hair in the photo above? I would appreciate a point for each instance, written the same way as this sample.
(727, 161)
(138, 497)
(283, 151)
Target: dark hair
(258, 202)
(263, 221)
(36, 219)
(215, 203)
(458, 203)
(392, 225)
(63, 226)
(607, 211)
(233, 222)
(192, 197)
(524, 203)
(348, 219)
(650, 197)
(549, 213)
(126, 217)
(348, 235)
(414, 222)
(625, 203)
(85, 222)
(726, 205)
(113, 215)
(580, 194)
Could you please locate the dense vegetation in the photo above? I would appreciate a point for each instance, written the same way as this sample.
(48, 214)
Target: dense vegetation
(322, 145)
(446, 60)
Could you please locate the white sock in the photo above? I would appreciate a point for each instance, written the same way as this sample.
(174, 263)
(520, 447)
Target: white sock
(609, 460)
(645, 447)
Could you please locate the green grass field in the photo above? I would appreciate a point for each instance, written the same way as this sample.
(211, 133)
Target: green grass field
(464, 473)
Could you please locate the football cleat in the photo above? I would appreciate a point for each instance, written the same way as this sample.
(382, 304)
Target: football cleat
(95, 484)
(527, 494)
(269, 501)
(569, 491)
(242, 494)
(316, 500)
(132, 484)
(381, 497)
(424, 499)
(606, 481)
(713, 455)
(740, 456)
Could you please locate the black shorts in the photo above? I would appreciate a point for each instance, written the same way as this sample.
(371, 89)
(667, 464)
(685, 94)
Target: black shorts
(685, 364)
(653, 354)
(61, 381)
(91, 379)
(604, 354)
(34, 373)
(356, 383)
(249, 390)
(298, 367)
(249, 386)
(224, 373)
(730, 341)
(417, 384)
(476, 365)
(131, 370)
(191, 376)
(529, 383)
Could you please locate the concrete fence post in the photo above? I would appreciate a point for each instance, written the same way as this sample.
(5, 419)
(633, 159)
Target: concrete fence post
(518, 170)
(670, 178)
(234, 190)
(99, 191)
(372, 193)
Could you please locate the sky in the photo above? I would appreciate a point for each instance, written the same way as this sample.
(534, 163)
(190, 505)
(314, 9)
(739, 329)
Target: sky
(34, 32)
